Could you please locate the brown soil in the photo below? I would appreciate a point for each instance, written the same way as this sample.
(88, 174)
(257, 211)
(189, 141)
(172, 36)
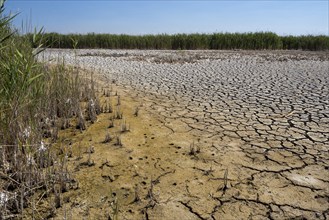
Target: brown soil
(169, 168)
(162, 171)
(152, 175)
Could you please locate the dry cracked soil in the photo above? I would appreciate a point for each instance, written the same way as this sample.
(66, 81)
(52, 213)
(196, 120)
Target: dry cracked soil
(219, 135)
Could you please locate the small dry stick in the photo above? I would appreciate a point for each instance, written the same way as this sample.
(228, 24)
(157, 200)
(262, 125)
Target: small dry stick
(107, 138)
(136, 111)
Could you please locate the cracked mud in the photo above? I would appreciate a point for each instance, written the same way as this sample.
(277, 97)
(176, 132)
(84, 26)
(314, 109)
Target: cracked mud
(222, 135)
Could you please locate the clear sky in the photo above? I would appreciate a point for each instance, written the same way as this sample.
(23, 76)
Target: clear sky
(155, 17)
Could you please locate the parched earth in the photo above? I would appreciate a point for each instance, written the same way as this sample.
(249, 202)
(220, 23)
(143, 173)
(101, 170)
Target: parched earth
(220, 135)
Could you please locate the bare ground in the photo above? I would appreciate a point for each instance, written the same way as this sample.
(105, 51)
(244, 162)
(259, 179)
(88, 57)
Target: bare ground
(251, 143)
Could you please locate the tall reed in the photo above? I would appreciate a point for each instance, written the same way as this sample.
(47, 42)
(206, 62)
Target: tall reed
(36, 100)
(215, 41)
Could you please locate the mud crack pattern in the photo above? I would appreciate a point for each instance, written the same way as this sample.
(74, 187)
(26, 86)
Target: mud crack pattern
(261, 117)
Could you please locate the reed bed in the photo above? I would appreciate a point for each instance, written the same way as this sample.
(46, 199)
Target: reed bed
(215, 41)
(36, 101)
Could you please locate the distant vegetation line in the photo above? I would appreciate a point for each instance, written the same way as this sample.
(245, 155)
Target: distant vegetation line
(216, 41)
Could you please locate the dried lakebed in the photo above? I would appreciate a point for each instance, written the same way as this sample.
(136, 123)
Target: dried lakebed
(246, 133)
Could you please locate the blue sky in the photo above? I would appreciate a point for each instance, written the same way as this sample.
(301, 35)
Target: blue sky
(155, 17)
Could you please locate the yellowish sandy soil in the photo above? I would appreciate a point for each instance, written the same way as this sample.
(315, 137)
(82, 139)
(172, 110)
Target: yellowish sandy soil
(147, 177)
(166, 170)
